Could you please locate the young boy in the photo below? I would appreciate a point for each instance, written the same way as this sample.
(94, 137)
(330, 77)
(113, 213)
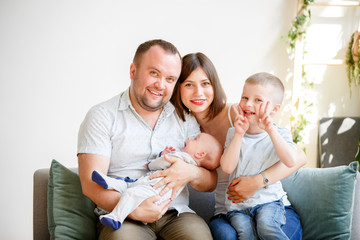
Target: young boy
(252, 146)
(203, 150)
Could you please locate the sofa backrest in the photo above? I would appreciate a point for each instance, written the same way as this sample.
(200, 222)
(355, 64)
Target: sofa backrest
(338, 140)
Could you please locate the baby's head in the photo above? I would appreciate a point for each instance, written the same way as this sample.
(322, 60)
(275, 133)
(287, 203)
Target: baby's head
(205, 149)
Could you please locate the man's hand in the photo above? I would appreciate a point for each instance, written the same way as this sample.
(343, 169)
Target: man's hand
(242, 188)
(148, 211)
(175, 177)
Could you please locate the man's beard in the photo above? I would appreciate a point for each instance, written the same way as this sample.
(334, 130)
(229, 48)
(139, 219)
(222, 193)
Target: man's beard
(143, 102)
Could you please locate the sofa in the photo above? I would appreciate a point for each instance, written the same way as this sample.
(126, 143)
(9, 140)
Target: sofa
(203, 204)
(326, 199)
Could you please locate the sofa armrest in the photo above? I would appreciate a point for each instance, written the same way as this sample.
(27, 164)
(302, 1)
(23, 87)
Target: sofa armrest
(40, 226)
(40, 218)
(355, 230)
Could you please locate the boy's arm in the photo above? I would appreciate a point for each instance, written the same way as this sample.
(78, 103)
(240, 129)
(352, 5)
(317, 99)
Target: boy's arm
(229, 159)
(285, 151)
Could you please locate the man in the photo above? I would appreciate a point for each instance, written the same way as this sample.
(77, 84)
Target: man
(118, 136)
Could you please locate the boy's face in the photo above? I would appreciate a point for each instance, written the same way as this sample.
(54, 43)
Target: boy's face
(196, 144)
(253, 96)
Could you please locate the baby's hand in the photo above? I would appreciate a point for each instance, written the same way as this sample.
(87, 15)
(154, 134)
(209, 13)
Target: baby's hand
(167, 150)
(265, 120)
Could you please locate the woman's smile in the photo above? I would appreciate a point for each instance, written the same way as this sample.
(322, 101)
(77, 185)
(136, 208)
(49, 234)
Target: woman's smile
(198, 101)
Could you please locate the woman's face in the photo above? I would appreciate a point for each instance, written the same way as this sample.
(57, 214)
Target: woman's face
(197, 92)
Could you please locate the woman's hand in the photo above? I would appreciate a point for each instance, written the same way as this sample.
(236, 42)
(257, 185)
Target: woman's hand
(242, 188)
(148, 211)
(175, 177)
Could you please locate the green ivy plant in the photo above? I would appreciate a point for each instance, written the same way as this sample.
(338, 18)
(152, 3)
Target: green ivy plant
(301, 113)
(300, 24)
(299, 118)
(353, 65)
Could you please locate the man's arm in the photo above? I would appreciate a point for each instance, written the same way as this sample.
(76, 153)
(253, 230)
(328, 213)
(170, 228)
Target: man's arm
(181, 173)
(148, 211)
(106, 199)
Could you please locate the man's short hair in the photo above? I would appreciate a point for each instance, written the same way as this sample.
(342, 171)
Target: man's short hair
(144, 47)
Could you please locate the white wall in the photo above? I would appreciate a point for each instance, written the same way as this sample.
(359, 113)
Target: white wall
(59, 58)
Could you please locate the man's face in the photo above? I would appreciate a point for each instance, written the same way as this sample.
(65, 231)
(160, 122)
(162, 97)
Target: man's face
(154, 78)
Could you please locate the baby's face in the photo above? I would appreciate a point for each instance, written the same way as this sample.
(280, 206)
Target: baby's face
(194, 145)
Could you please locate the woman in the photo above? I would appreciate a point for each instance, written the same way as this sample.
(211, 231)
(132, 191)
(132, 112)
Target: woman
(199, 92)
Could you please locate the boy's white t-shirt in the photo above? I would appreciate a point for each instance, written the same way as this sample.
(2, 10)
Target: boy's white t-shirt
(256, 155)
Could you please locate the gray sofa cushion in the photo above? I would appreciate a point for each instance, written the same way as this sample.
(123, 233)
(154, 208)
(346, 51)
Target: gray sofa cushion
(338, 140)
(324, 200)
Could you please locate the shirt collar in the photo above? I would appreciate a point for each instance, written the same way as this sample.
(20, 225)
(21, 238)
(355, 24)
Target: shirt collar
(125, 100)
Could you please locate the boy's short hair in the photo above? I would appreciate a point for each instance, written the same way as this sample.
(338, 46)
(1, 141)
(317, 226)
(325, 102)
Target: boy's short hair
(265, 78)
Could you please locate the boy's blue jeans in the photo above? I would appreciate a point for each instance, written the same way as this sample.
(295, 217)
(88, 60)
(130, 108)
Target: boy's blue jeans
(263, 221)
(222, 230)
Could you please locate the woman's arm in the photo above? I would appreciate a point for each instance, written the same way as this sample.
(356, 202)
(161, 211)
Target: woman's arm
(243, 188)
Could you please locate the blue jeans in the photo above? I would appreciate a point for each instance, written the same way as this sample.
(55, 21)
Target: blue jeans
(222, 230)
(263, 221)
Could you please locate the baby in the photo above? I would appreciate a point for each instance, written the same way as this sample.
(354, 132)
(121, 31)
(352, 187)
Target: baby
(203, 150)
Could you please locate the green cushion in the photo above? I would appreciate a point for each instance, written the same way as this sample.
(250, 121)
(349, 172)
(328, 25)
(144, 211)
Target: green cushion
(70, 213)
(323, 198)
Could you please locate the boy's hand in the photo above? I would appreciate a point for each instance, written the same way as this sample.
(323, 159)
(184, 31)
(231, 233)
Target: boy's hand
(168, 150)
(265, 120)
(241, 123)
